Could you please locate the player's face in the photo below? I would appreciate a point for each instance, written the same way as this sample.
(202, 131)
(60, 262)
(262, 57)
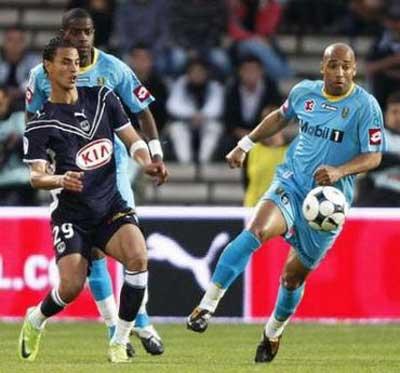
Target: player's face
(338, 70)
(64, 69)
(80, 33)
(392, 117)
(250, 74)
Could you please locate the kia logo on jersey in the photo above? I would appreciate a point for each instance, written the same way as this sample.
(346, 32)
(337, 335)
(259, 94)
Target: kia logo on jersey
(309, 105)
(94, 155)
(375, 136)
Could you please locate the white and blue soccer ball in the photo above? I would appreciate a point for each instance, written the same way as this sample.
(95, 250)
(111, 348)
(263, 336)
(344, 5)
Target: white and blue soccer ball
(325, 208)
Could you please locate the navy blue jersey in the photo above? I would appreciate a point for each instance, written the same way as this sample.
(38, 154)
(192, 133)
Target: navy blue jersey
(80, 137)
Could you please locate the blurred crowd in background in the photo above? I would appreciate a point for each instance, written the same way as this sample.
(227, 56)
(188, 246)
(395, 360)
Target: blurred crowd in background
(215, 69)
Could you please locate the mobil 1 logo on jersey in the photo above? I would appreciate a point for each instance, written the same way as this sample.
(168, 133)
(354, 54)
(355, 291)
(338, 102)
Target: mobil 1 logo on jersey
(326, 133)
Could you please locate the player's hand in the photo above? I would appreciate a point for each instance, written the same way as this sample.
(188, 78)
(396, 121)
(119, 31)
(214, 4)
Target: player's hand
(327, 175)
(72, 181)
(236, 157)
(157, 170)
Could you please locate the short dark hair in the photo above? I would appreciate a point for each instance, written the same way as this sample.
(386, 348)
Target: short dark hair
(50, 49)
(73, 14)
(394, 98)
(249, 58)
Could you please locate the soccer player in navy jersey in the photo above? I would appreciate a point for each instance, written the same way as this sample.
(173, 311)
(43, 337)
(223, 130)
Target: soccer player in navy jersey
(96, 69)
(77, 126)
(340, 135)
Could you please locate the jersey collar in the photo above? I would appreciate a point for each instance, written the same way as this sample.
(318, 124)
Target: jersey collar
(88, 67)
(338, 98)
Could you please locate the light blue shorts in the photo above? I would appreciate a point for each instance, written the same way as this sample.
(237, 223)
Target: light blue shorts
(310, 245)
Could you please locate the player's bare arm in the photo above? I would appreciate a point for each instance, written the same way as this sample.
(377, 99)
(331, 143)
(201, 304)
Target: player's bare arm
(328, 175)
(41, 179)
(140, 153)
(269, 126)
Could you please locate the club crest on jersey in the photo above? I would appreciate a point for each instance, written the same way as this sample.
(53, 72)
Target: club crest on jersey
(375, 136)
(345, 112)
(94, 155)
(309, 105)
(83, 121)
(101, 80)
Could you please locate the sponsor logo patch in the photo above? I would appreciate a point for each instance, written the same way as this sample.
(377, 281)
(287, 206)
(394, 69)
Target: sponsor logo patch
(309, 105)
(141, 93)
(94, 155)
(375, 136)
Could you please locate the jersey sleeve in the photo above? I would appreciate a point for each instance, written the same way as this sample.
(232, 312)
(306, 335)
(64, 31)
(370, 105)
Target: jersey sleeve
(119, 118)
(36, 144)
(132, 92)
(287, 108)
(34, 96)
(371, 132)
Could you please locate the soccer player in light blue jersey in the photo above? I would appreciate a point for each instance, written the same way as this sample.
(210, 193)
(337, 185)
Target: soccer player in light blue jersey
(340, 135)
(99, 68)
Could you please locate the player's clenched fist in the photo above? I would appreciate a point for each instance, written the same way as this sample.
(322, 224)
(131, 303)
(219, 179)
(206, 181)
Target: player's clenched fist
(236, 157)
(327, 175)
(72, 181)
(157, 171)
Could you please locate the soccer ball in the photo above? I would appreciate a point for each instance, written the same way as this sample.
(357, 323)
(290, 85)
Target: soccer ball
(325, 208)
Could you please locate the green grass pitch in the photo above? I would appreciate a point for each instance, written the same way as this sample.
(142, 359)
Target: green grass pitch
(81, 347)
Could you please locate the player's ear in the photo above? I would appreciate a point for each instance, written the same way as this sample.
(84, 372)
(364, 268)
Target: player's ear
(47, 65)
(355, 70)
(321, 67)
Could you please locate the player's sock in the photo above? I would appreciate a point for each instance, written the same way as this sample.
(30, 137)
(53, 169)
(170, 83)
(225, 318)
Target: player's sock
(131, 297)
(50, 306)
(212, 297)
(234, 259)
(101, 288)
(142, 318)
(286, 305)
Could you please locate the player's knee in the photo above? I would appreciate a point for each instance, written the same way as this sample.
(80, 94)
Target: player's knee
(70, 289)
(256, 230)
(292, 281)
(136, 261)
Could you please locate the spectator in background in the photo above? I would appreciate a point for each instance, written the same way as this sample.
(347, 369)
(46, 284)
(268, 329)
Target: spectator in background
(197, 29)
(310, 16)
(381, 187)
(363, 17)
(143, 22)
(383, 61)
(261, 166)
(140, 60)
(15, 64)
(102, 13)
(250, 94)
(252, 26)
(195, 106)
(15, 189)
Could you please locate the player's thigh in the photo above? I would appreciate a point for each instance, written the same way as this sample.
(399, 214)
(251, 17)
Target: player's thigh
(127, 245)
(294, 271)
(267, 221)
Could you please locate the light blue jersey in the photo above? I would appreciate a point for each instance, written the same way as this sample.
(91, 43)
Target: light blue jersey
(113, 73)
(332, 131)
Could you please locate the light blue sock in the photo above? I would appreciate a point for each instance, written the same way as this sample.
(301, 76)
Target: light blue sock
(100, 280)
(234, 259)
(142, 320)
(287, 302)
